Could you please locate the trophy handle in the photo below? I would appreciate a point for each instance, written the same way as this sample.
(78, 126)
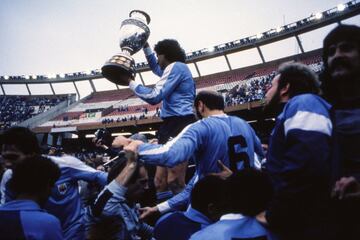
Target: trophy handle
(147, 17)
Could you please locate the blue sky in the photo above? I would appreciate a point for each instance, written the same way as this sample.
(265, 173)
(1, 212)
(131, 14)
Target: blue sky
(48, 36)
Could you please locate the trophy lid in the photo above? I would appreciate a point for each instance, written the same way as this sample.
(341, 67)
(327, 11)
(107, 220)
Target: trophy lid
(147, 17)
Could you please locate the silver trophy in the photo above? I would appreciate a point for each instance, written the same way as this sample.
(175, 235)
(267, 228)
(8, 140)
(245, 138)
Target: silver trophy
(134, 32)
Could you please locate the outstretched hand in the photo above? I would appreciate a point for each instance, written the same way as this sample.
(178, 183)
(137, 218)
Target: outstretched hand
(261, 218)
(346, 188)
(132, 147)
(224, 173)
(148, 211)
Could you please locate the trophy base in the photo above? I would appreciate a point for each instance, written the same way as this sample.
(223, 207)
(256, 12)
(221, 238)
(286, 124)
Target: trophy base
(119, 69)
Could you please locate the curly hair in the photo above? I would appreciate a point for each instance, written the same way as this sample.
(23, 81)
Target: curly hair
(171, 49)
(349, 33)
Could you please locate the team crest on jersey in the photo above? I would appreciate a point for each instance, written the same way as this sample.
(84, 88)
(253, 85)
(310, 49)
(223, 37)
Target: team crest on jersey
(62, 188)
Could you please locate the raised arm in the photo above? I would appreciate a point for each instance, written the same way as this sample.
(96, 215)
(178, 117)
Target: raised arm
(163, 88)
(152, 60)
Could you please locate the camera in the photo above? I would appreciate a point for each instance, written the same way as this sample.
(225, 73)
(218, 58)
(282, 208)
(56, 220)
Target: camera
(103, 136)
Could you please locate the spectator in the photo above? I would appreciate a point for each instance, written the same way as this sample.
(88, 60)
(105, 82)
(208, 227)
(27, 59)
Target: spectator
(23, 218)
(341, 86)
(298, 158)
(176, 91)
(247, 193)
(204, 210)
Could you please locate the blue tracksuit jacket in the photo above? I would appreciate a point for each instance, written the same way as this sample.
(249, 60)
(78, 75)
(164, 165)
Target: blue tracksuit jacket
(298, 162)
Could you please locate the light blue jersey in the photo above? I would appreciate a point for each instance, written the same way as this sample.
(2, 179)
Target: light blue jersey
(233, 226)
(207, 142)
(112, 202)
(24, 219)
(176, 88)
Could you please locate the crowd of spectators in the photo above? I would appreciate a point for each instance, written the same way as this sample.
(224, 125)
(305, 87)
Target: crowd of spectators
(123, 119)
(15, 109)
(144, 115)
(124, 108)
(249, 91)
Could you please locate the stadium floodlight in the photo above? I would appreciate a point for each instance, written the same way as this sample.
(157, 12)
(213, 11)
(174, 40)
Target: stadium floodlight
(147, 132)
(318, 15)
(120, 134)
(74, 136)
(34, 76)
(341, 7)
(259, 35)
(279, 29)
(88, 72)
(62, 75)
(89, 135)
(209, 49)
(27, 77)
(6, 77)
(51, 75)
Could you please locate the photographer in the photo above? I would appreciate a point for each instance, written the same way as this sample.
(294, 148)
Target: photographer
(115, 212)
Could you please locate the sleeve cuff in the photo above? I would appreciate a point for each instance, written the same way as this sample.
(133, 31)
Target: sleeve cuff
(133, 85)
(163, 207)
(148, 51)
(117, 189)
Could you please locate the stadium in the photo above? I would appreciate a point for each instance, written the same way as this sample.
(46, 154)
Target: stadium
(77, 118)
(72, 117)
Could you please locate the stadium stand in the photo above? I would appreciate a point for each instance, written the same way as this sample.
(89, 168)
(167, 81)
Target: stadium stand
(15, 109)
(238, 87)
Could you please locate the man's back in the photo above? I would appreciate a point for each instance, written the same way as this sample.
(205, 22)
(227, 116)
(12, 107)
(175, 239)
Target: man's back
(180, 225)
(207, 141)
(231, 227)
(64, 201)
(23, 219)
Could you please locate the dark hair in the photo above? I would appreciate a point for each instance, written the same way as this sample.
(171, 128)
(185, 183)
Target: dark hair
(171, 49)
(301, 79)
(34, 175)
(207, 190)
(23, 138)
(211, 99)
(350, 33)
(119, 165)
(249, 192)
